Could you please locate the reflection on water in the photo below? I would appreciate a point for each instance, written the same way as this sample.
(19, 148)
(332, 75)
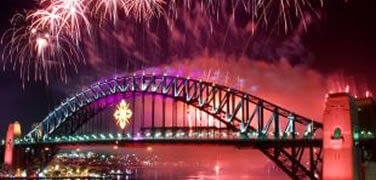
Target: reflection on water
(158, 163)
(174, 173)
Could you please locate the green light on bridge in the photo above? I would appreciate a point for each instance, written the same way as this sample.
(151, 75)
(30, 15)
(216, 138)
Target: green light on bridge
(94, 136)
(356, 136)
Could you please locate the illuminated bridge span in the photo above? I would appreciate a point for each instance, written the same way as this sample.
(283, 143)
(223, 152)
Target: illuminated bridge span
(235, 109)
(176, 110)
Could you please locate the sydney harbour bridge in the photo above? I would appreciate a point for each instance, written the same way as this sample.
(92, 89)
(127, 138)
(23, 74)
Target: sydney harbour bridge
(183, 111)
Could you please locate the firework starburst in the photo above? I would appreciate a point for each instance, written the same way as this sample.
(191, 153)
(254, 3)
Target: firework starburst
(52, 35)
(144, 9)
(122, 114)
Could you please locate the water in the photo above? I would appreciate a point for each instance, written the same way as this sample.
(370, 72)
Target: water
(174, 173)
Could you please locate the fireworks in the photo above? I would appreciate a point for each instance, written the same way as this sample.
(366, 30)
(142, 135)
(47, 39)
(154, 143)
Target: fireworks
(123, 114)
(52, 37)
(69, 15)
(144, 9)
(107, 9)
(36, 52)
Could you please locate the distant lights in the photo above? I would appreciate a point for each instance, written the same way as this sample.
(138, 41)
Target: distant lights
(149, 148)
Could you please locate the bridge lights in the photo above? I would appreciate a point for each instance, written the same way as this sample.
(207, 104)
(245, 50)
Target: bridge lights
(169, 134)
(94, 136)
(123, 114)
(148, 134)
(158, 134)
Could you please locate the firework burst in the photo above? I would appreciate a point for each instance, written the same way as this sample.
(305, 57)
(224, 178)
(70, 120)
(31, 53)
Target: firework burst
(53, 34)
(144, 9)
(36, 53)
(123, 114)
(70, 17)
(107, 9)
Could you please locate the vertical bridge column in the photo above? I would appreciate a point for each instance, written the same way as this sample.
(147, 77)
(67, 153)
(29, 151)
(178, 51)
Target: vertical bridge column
(339, 158)
(12, 157)
(9, 143)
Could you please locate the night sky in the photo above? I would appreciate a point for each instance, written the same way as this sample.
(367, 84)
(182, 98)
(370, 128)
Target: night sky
(344, 41)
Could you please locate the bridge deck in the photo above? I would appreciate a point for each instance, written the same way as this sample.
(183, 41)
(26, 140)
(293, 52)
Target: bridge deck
(256, 142)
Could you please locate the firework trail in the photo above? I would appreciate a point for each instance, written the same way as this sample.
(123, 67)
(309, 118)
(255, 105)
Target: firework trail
(53, 35)
(144, 9)
(36, 53)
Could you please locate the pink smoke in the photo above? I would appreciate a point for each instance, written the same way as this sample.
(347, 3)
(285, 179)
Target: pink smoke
(296, 88)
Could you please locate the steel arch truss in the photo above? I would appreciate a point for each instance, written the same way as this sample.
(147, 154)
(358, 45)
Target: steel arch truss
(228, 105)
(236, 109)
(290, 160)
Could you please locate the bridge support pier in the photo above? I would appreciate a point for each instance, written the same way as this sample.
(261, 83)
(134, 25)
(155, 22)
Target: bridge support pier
(12, 155)
(340, 161)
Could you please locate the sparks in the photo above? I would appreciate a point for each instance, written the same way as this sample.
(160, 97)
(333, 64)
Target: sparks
(217, 169)
(347, 90)
(68, 22)
(144, 9)
(108, 9)
(368, 94)
(123, 114)
(37, 53)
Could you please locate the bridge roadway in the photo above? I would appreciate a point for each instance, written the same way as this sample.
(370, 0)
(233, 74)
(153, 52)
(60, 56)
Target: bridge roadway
(241, 142)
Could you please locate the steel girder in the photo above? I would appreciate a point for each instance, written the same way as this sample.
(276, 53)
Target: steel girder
(228, 105)
(234, 108)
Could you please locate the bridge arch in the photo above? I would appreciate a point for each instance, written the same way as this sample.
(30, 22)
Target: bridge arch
(236, 109)
(227, 105)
